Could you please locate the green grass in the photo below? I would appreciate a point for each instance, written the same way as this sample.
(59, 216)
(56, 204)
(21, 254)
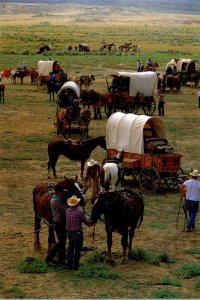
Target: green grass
(188, 270)
(31, 265)
(165, 294)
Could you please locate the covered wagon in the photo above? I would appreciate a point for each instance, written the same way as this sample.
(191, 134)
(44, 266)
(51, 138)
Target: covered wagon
(146, 153)
(130, 91)
(188, 69)
(46, 68)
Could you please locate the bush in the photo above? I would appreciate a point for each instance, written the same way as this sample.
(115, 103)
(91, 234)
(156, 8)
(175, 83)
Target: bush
(32, 265)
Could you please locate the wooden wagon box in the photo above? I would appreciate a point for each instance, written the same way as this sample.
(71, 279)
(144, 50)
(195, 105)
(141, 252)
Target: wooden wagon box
(162, 162)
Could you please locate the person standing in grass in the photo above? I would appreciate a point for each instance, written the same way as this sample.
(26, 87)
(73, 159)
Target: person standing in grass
(161, 104)
(74, 220)
(59, 221)
(190, 188)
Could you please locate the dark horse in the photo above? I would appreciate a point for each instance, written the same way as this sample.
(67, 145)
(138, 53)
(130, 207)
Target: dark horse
(2, 90)
(53, 88)
(41, 202)
(19, 73)
(93, 98)
(122, 210)
(74, 150)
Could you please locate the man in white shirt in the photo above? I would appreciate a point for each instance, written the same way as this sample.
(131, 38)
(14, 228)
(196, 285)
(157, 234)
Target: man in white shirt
(191, 190)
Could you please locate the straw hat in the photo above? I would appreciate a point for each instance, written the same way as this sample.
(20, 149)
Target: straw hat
(92, 162)
(195, 173)
(73, 201)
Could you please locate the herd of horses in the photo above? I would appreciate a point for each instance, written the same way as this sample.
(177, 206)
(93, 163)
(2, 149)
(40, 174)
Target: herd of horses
(110, 47)
(123, 209)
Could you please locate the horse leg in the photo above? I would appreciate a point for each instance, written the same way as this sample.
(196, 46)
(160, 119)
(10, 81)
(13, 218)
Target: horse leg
(52, 165)
(109, 243)
(99, 113)
(124, 243)
(82, 167)
(37, 244)
(131, 236)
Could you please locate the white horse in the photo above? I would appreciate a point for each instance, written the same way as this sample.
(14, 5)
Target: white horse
(109, 177)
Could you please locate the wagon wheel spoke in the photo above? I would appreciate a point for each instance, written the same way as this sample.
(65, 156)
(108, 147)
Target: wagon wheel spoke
(150, 108)
(135, 109)
(174, 179)
(149, 179)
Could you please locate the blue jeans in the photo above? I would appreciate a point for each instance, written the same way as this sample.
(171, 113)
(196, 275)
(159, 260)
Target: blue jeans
(192, 207)
(74, 248)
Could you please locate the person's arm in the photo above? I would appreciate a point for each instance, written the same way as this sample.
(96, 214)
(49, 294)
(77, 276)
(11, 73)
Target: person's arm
(182, 189)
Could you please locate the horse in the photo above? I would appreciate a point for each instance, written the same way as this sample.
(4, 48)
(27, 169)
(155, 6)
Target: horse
(2, 92)
(63, 120)
(151, 68)
(110, 176)
(83, 48)
(44, 49)
(108, 47)
(41, 203)
(122, 210)
(34, 75)
(85, 80)
(173, 82)
(53, 88)
(84, 122)
(19, 73)
(93, 98)
(73, 150)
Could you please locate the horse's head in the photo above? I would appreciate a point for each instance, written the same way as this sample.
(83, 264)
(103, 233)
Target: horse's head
(103, 204)
(102, 142)
(73, 187)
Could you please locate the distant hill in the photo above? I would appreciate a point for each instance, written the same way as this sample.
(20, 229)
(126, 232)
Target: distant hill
(171, 6)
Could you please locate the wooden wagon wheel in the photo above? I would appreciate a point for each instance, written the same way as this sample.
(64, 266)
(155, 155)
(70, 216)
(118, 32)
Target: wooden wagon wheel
(174, 179)
(149, 179)
(135, 108)
(150, 107)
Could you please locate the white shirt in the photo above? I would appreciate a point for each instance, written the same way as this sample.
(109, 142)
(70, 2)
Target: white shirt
(192, 189)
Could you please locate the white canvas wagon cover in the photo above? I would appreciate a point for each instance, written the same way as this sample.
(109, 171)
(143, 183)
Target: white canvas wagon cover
(126, 131)
(45, 67)
(144, 82)
(70, 85)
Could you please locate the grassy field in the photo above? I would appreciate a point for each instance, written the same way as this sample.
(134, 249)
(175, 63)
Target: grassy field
(26, 123)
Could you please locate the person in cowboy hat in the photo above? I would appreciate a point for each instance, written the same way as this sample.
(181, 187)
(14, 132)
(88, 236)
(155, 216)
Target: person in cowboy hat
(74, 220)
(190, 188)
(92, 176)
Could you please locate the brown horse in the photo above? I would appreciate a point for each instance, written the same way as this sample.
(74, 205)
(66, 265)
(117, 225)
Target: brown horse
(19, 73)
(74, 150)
(151, 68)
(122, 210)
(2, 92)
(84, 122)
(41, 202)
(63, 120)
(92, 98)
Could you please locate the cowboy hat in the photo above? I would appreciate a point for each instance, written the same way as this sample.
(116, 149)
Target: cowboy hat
(194, 173)
(92, 162)
(73, 201)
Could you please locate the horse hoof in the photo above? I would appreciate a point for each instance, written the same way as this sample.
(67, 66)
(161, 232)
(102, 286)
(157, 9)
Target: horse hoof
(124, 261)
(110, 262)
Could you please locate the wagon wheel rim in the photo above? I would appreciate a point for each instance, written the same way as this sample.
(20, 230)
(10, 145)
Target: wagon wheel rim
(150, 108)
(149, 179)
(135, 109)
(175, 179)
